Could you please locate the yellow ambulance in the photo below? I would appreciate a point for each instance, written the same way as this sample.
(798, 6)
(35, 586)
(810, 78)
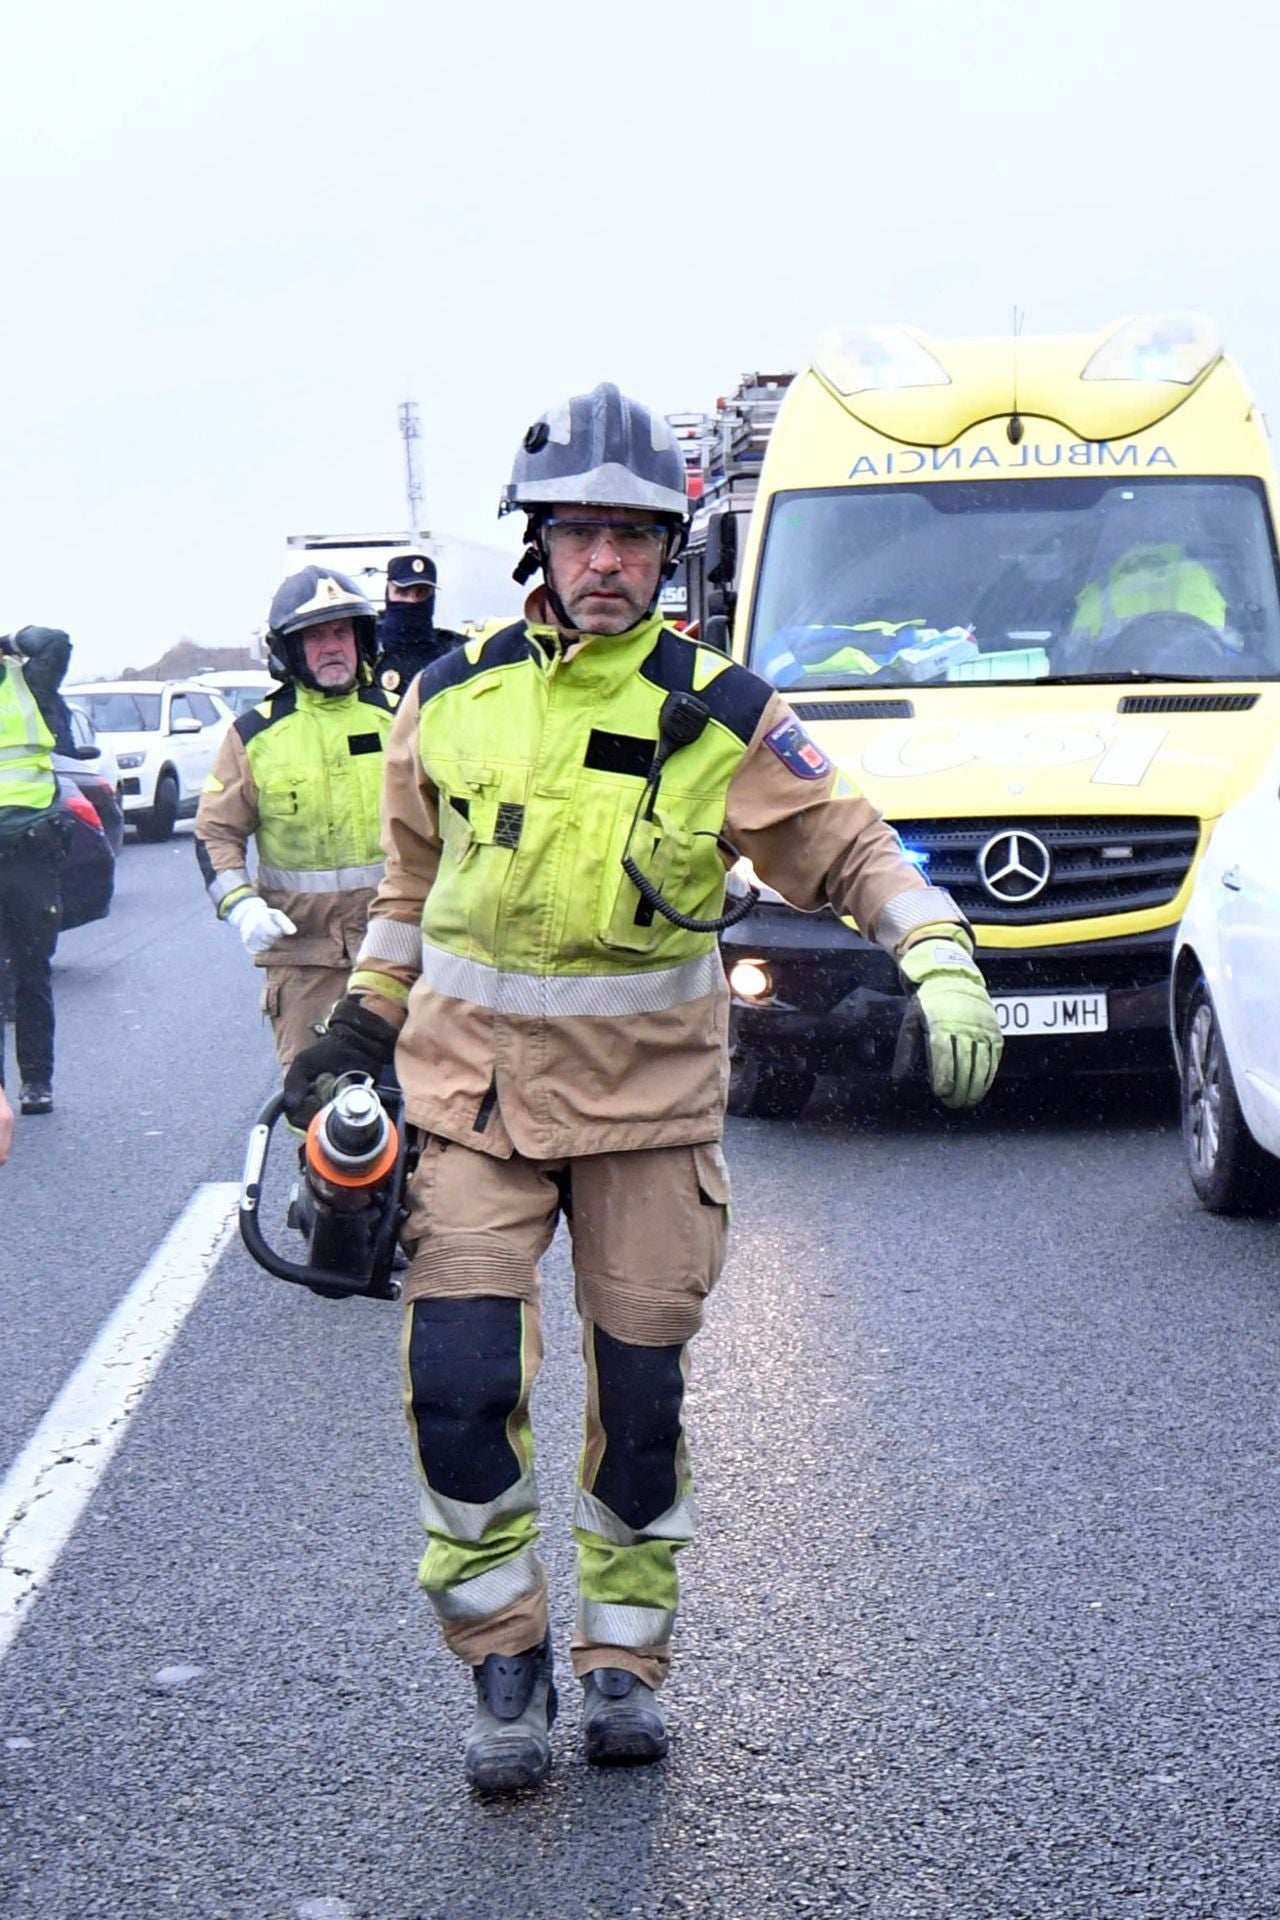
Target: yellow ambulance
(1024, 591)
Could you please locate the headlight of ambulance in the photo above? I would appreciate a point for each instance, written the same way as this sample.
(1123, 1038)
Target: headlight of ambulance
(861, 359)
(129, 760)
(750, 980)
(1157, 346)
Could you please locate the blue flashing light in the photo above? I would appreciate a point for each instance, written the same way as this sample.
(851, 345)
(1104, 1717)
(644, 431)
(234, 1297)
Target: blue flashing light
(917, 856)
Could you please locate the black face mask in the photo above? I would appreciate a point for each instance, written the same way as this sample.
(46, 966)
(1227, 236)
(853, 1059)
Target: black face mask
(407, 623)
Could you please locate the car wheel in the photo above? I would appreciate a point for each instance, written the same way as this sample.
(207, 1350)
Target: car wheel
(158, 821)
(763, 1090)
(1230, 1172)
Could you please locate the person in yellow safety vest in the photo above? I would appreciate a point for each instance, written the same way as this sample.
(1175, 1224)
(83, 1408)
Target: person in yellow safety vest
(301, 776)
(33, 843)
(1150, 578)
(541, 959)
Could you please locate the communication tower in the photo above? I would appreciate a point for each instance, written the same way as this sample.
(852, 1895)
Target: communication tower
(411, 433)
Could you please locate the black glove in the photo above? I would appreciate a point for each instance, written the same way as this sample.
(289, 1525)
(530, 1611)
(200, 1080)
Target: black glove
(356, 1041)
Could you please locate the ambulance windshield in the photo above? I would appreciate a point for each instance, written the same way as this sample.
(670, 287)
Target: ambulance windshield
(1156, 577)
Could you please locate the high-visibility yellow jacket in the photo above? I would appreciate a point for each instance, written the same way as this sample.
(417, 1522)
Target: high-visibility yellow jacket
(27, 782)
(545, 1008)
(301, 775)
(1155, 578)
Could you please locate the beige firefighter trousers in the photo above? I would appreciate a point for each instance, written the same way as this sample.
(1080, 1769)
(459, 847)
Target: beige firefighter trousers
(649, 1231)
(296, 1000)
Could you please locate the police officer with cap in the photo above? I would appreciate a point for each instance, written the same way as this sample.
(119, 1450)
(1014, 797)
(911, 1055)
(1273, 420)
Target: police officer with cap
(408, 638)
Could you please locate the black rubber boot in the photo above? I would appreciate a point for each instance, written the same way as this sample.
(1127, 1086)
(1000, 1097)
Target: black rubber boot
(509, 1745)
(622, 1721)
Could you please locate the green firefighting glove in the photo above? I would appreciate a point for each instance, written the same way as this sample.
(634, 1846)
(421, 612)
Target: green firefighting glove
(355, 1041)
(951, 1012)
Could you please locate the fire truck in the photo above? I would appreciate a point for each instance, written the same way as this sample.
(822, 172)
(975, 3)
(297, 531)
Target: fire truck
(724, 452)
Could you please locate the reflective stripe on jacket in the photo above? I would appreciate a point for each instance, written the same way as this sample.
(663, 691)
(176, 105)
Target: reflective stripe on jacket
(550, 1011)
(300, 775)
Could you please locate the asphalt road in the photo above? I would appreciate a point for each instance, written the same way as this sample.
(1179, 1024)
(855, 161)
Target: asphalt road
(983, 1620)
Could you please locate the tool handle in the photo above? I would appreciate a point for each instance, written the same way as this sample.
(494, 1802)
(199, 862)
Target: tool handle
(378, 1285)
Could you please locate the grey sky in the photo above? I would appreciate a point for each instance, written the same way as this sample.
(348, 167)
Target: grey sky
(237, 235)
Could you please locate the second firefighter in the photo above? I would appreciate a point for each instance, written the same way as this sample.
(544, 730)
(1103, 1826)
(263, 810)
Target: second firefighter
(301, 776)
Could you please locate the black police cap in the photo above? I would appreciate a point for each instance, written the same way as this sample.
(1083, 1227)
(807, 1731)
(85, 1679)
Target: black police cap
(411, 570)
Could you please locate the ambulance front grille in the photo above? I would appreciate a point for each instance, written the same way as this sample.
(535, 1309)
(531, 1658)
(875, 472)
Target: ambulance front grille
(1039, 870)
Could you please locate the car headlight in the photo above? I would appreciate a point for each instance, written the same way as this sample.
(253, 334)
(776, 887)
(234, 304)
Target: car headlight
(750, 980)
(129, 760)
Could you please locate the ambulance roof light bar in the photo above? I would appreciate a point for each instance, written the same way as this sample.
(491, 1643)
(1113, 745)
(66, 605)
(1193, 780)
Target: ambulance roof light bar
(866, 359)
(1157, 346)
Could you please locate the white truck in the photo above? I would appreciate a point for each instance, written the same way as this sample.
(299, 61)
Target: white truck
(475, 585)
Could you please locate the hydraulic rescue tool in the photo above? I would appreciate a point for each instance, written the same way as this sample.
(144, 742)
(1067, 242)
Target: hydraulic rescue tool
(348, 1201)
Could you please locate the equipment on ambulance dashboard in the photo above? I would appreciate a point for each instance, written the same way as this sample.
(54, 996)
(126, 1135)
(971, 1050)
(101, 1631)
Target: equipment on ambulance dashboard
(800, 657)
(683, 720)
(349, 1201)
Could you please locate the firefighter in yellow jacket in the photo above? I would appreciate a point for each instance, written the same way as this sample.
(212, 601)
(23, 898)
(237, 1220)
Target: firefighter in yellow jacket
(562, 799)
(301, 775)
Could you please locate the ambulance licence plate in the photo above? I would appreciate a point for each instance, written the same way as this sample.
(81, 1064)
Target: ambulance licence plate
(1071, 1014)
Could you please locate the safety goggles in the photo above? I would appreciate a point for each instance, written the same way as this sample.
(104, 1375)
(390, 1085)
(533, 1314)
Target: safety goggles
(583, 539)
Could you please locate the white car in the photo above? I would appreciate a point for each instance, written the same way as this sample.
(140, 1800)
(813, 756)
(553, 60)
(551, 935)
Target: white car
(164, 734)
(240, 687)
(1225, 1009)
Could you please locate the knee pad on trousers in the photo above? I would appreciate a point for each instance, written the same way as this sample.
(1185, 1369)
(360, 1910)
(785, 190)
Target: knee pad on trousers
(466, 1377)
(640, 1393)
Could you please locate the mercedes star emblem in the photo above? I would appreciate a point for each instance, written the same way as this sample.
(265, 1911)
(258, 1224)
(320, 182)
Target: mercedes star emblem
(1015, 867)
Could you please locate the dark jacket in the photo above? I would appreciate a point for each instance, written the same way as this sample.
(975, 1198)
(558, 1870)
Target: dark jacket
(406, 644)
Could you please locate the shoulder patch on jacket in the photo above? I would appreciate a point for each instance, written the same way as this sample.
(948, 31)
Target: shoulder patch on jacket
(453, 669)
(798, 753)
(735, 696)
(276, 706)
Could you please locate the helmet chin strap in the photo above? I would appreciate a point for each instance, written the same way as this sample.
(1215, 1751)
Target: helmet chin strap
(557, 605)
(536, 559)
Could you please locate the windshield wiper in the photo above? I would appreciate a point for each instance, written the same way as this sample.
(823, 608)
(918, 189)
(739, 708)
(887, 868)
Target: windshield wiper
(841, 683)
(1125, 675)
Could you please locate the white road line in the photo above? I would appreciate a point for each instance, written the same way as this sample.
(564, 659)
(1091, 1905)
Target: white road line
(53, 1479)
